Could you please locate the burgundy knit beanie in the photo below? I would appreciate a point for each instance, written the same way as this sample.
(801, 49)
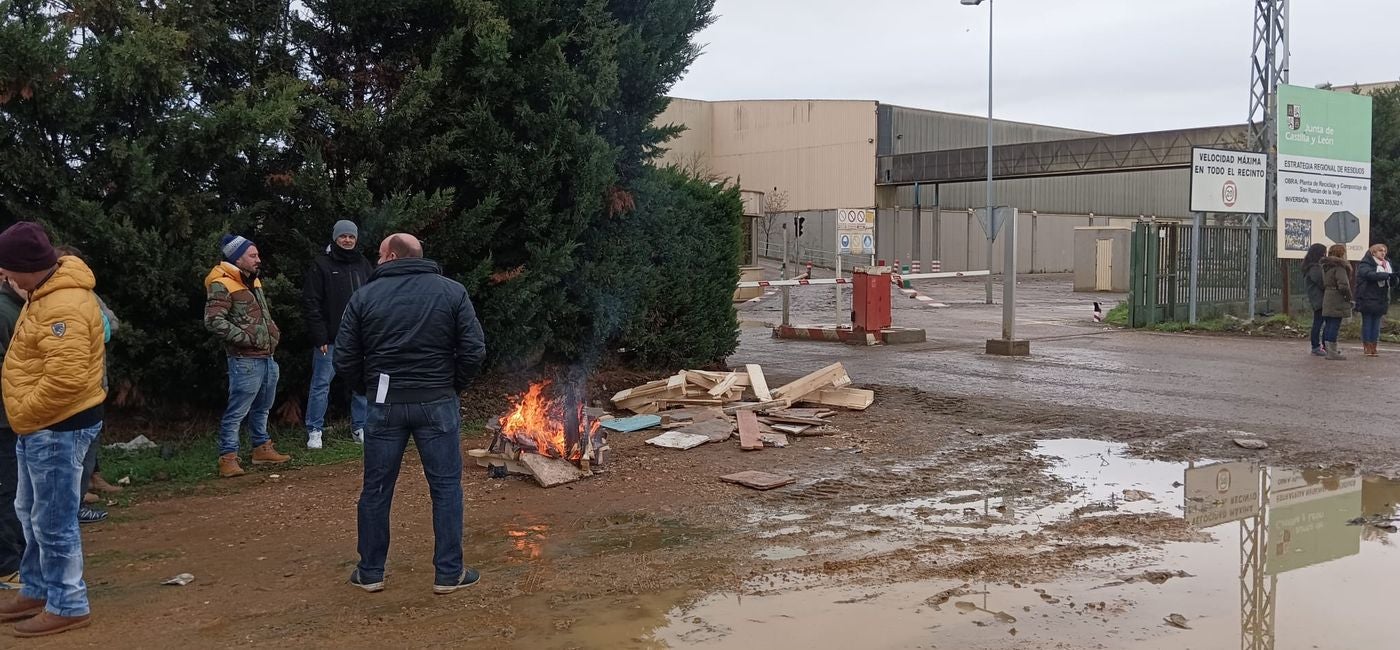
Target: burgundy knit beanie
(25, 248)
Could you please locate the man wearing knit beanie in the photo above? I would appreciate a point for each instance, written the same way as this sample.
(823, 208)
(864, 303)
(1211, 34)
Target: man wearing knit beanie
(237, 312)
(53, 393)
(326, 289)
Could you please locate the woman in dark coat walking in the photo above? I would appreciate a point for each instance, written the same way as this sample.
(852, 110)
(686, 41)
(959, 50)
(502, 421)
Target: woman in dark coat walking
(1312, 279)
(1337, 297)
(1374, 277)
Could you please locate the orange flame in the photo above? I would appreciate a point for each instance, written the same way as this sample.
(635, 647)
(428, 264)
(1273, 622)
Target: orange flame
(537, 422)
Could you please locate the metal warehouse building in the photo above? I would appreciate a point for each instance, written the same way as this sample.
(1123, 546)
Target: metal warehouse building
(822, 155)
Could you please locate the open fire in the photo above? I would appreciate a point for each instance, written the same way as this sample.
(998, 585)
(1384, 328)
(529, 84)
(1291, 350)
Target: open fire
(547, 434)
(557, 428)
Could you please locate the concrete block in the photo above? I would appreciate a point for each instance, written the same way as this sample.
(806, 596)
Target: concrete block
(1005, 348)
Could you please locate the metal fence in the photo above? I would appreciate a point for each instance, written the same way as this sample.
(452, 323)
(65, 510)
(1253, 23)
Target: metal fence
(1161, 273)
(819, 258)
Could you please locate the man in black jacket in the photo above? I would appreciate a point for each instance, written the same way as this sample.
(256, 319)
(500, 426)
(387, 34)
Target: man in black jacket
(410, 340)
(333, 277)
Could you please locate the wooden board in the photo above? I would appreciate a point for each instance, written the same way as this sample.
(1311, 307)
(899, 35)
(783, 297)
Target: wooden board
(832, 376)
(749, 435)
(756, 406)
(695, 413)
(758, 480)
(549, 472)
(634, 423)
(699, 379)
(678, 440)
(797, 413)
(778, 440)
(725, 385)
(645, 389)
(857, 399)
(792, 419)
(794, 429)
(717, 430)
(758, 382)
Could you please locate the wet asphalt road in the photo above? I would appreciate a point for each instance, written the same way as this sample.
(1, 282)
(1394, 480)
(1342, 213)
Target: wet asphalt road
(1259, 385)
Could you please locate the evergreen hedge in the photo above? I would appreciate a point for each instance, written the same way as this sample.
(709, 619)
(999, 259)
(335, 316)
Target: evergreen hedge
(513, 136)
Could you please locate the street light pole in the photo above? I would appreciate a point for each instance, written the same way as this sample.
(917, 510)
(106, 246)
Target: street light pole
(991, 205)
(1007, 345)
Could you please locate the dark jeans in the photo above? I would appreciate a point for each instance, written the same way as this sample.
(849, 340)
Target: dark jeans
(89, 466)
(1371, 328)
(11, 533)
(1317, 329)
(436, 429)
(1332, 325)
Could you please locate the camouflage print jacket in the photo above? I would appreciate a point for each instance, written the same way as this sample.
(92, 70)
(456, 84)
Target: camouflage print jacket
(239, 315)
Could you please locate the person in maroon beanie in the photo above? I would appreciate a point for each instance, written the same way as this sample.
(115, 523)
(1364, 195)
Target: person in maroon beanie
(53, 392)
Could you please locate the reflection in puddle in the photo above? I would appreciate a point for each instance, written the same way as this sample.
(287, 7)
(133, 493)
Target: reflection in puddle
(1291, 565)
(1103, 480)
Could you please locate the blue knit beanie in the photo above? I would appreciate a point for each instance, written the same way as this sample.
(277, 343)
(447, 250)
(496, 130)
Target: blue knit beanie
(233, 247)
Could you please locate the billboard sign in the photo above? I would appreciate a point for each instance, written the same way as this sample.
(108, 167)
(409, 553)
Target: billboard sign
(1308, 520)
(1221, 493)
(1324, 171)
(1228, 181)
(855, 232)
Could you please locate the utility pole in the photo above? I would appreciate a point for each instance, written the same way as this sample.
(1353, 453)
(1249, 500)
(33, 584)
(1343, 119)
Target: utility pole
(1269, 70)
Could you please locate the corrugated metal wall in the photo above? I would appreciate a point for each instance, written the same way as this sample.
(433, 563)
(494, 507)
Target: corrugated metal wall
(911, 130)
(1161, 192)
(1045, 242)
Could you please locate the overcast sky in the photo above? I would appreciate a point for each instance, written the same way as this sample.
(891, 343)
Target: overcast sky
(1116, 66)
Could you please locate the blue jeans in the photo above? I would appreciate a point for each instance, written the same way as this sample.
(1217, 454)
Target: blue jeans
(322, 372)
(436, 428)
(1330, 328)
(1371, 328)
(252, 386)
(50, 468)
(1316, 336)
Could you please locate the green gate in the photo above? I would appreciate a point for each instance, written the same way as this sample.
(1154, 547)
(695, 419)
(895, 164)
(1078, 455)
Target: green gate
(1160, 286)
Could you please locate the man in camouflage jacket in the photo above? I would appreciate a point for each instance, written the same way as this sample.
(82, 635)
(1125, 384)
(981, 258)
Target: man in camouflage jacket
(238, 314)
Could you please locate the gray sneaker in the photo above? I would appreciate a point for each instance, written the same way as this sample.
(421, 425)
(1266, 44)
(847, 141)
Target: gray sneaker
(372, 587)
(358, 435)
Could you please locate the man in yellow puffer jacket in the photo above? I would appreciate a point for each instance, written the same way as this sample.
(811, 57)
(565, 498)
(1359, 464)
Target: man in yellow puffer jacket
(53, 396)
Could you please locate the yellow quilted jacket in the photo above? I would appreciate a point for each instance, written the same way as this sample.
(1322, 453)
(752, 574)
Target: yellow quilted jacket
(53, 368)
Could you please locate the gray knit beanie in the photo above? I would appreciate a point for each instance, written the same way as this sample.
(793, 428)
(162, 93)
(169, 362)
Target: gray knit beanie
(344, 227)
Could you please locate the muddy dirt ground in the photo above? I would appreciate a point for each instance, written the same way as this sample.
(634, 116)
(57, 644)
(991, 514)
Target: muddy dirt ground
(936, 519)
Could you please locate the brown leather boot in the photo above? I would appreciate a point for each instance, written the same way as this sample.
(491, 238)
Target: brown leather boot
(1373, 349)
(18, 608)
(47, 623)
(101, 485)
(266, 454)
(229, 467)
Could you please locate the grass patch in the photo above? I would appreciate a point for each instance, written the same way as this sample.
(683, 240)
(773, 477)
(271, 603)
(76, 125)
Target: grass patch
(187, 464)
(1118, 315)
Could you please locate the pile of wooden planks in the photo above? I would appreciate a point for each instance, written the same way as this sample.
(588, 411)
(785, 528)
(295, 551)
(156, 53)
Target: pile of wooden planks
(745, 389)
(697, 407)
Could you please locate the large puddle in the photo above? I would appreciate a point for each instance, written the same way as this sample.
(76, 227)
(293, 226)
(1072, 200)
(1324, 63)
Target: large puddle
(1287, 564)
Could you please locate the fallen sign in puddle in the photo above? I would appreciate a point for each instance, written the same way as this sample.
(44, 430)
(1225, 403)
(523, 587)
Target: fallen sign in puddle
(1288, 566)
